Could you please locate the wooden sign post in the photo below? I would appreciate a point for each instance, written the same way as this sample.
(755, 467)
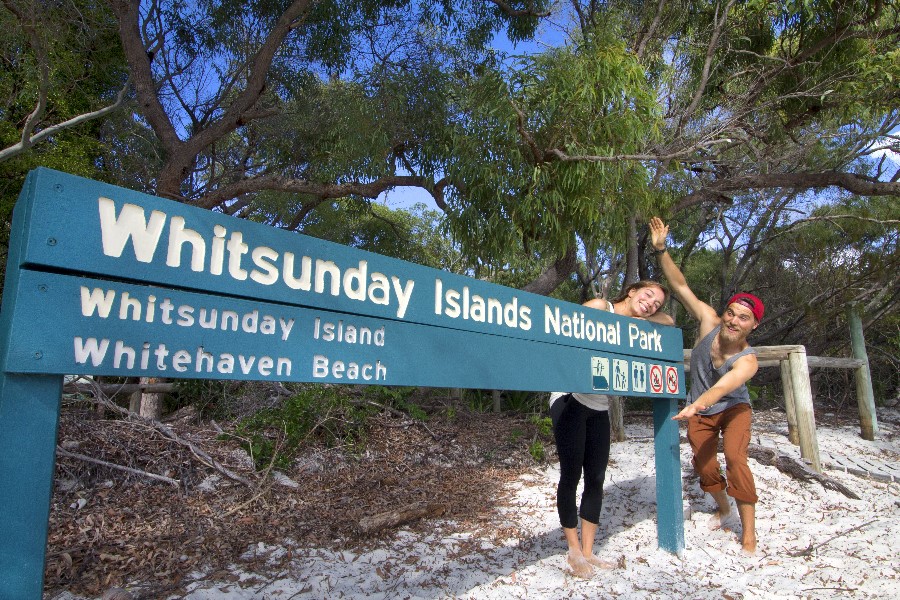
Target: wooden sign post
(106, 281)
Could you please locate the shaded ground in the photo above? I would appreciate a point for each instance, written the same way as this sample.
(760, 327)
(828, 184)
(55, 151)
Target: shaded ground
(109, 528)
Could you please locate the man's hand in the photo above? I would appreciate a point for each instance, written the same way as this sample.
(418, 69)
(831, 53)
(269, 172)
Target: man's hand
(686, 413)
(658, 233)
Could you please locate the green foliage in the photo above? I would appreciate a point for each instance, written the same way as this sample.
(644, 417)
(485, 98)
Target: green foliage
(412, 235)
(544, 425)
(754, 391)
(523, 402)
(544, 433)
(807, 271)
(479, 400)
(590, 100)
(329, 415)
(536, 449)
(68, 51)
(205, 394)
(75, 47)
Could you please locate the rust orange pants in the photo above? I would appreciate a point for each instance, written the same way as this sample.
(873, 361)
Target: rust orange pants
(703, 435)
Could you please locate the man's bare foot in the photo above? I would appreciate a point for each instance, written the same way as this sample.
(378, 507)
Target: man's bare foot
(600, 563)
(748, 547)
(580, 566)
(719, 520)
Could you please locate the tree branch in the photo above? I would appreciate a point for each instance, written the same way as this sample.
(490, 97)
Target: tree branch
(198, 452)
(718, 26)
(63, 452)
(557, 154)
(43, 134)
(554, 275)
(302, 186)
(651, 30)
(181, 154)
(857, 184)
(43, 64)
(139, 60)
(512, 12)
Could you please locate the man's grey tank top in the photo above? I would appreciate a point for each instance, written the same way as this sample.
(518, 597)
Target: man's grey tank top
(704, 375)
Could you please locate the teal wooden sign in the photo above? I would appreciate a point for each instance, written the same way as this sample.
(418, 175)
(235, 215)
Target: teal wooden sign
(83, 228)
(104, 280)
(117, 328)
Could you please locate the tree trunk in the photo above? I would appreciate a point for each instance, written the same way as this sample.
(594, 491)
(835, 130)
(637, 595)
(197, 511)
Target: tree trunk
(151, 404)
(796, 469)
(399, 516)
(631, 254)
(554, 275)
(134, 402)
(617, 418)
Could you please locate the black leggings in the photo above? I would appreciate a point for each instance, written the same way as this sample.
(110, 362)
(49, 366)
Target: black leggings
(582, 442)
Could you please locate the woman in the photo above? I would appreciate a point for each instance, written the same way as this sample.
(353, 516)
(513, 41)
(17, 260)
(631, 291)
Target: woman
(581, 429)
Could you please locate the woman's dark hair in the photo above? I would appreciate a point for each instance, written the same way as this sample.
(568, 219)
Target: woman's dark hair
(640, 285)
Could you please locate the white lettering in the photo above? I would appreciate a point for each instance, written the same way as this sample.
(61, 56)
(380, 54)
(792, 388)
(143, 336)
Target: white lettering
(178, 235)
(130, 224)
(90, 349)
(351, 371)
(97, 300)
(270, 266)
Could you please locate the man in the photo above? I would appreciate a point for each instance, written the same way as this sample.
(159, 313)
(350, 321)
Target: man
(718, 402)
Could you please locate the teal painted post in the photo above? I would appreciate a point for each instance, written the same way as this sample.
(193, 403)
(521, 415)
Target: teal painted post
(29, 413)
(669, 503)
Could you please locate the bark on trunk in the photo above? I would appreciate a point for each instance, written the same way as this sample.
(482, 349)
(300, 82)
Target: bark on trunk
(555, 274)
(151, 404)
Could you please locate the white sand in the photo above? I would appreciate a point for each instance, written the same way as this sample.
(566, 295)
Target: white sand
(859, 555)
(856, 542)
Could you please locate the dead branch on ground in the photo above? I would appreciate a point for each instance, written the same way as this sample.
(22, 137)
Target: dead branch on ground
(201, 455)
(796, 469)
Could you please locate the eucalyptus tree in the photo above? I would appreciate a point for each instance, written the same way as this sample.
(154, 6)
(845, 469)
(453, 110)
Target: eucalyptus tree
(276, 110)
(61, 68)
(771, 118)
(755, 98)
(292, 96)
(61, 74)
(691, 105)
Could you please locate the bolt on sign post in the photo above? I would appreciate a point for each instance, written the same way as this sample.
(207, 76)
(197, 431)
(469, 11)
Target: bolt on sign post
(101, 280)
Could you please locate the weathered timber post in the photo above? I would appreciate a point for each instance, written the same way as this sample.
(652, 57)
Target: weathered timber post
(806, 421)
(865, 398)
(617, 418)
(790, 407)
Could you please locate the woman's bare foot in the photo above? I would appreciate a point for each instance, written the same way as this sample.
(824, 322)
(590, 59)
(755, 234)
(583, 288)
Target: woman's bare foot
(600, 563)
(748, 546)
(580, 566)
